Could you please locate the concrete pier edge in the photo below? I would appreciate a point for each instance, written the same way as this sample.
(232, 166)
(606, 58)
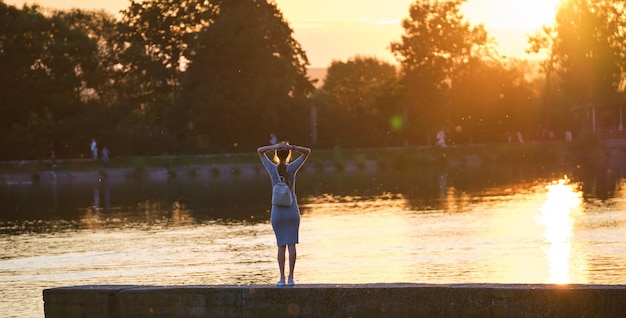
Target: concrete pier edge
(344, 300)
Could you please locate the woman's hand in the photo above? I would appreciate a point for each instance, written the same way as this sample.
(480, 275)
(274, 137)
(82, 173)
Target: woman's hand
(283, 145)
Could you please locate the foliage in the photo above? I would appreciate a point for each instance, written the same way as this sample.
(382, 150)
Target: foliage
(209, 76)
(358, 104)
(437, 43)
(154, 44)
(491, 101)
(248, 76)
(587, 59)
(72, 75)
(46, 65)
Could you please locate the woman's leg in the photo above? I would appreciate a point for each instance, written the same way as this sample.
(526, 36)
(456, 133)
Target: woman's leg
(281, 262)
(292, 260)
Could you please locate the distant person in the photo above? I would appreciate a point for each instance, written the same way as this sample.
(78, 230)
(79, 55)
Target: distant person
(273, 139)
(94, 149)
(285, 219)
(105, 155)
(568, 135)
(441, 138)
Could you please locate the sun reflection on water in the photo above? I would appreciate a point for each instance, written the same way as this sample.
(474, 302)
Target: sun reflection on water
(557, 215)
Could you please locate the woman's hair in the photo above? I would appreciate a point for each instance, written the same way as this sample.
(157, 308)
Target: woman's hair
(283, 155)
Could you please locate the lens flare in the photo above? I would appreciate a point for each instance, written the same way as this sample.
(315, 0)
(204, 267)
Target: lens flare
(396, 122)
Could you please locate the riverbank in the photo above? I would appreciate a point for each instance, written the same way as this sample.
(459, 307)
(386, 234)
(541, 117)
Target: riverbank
(555, 152)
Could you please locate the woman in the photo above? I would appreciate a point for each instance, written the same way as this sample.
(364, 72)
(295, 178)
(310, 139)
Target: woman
(285, 219)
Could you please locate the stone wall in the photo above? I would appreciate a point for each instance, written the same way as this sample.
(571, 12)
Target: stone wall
(369, 300)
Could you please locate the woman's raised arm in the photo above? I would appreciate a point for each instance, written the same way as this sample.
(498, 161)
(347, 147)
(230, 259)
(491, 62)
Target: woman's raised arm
(304, 150)
(263, 149)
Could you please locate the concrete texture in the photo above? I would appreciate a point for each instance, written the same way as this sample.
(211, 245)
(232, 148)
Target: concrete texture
(364, 300)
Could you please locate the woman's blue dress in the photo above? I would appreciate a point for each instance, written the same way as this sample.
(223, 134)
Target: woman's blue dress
(285, 219)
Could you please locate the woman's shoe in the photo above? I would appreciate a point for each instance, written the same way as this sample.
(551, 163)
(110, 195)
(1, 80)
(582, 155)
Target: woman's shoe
(291, 282)
(280, 283)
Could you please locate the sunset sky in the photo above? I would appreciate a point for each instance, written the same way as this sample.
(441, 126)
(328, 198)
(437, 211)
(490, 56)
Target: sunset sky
(338, 30)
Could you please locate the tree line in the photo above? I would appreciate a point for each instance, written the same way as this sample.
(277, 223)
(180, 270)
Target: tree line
(207, 76)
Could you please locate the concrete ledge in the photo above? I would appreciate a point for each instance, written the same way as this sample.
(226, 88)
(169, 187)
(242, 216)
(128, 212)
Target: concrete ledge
(365, 300)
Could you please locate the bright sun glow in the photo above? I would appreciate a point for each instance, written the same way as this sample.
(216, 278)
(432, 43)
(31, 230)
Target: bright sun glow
(521, 14)
(510, 22)
(563, 202)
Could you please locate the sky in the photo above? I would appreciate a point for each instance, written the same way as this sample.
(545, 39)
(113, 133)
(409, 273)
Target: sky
(337, 30)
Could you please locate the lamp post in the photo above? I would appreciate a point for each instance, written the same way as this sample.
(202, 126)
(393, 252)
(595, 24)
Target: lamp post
(593, 119)
(620, 127)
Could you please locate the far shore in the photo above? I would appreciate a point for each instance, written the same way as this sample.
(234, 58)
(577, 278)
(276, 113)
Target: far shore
(242, 164)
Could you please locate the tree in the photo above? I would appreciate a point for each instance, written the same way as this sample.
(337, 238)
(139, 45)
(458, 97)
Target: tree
(47, 64)
(153, 47)
(100, 28)
(359, 104)
(247, 75)
(438, 41)
(587, 59)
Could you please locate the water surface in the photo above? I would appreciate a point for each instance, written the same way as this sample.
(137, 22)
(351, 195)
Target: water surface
(489, 224)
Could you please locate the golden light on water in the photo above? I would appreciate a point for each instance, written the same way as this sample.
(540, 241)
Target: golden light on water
(557, 215)
(519, 232)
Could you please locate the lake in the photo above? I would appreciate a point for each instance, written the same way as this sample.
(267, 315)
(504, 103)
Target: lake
(479, 224)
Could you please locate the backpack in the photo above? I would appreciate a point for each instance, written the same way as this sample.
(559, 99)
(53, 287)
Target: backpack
(281, 194)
